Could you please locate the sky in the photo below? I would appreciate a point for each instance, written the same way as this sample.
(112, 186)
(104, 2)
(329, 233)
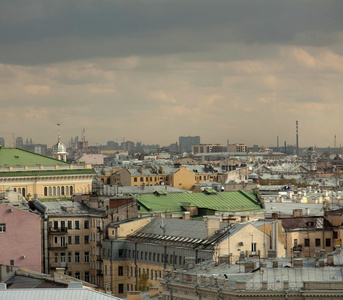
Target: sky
(154, 70)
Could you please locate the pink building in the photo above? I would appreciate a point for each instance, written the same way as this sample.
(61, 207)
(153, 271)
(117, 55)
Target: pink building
(20, 238)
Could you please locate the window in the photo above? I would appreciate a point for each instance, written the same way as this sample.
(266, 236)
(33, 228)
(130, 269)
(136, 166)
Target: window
(63, 257)
(58, 191)
(328, 242)
(160, 274)
(154, 257)
(77, 257)
(180, 260)
(131, 271)
(155, 275)
(135, 179)
(50, 191)
(77, 239)
(77, 224)
(56, 258)
(2, 227)
(45, 191)
(146, 255)
(55, 240)
(307, 242)
(295, 242)
(54, 191)
(55, 224)
(86, 257)
(141, 179)
(127, 271)
(71, 190)
(70, 224)
(141, 254)
(67, 190)
(253, 247)
(121, 252)
(62, 190)
(77, 275)
(158, 257)
(335, 235)
(149, 256)
(127, 287)
(87, 276)
(120, 271)
(12, 262)
(70, 239)
(63, 225)
(70, 257)
(120, 288)
(86, 239)
(152, 274)
(86, 224)
(317, 242)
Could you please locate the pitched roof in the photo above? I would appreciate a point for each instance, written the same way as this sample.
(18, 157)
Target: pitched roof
(223, 201)
(20, 157)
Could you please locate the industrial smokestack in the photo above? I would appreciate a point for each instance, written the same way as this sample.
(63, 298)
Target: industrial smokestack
(285, 147)
(297, 137)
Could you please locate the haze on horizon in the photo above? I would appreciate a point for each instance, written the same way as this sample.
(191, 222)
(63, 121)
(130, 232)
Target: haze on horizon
(154, 70)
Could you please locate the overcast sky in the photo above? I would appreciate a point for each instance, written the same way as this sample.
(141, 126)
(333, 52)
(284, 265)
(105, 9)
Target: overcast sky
(154, 70)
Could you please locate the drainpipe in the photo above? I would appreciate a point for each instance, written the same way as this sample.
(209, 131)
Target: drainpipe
(169, 289)
(136, 269)
(111, 267)
(197, 292)
(45, 241)
(218, 293)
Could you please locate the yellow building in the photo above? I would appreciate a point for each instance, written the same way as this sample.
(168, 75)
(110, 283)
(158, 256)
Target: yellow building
(35, 175)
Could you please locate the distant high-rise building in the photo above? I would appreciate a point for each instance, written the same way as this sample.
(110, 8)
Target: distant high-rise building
(186, 142)
(31, 141)
(237, 148)
(128, 146)
(2, 141)
(19, 143)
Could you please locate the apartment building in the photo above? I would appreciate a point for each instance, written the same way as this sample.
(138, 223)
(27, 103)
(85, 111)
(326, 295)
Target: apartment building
(73, 232)
(237, 148)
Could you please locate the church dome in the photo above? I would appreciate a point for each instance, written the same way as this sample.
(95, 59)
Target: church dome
(59, 148)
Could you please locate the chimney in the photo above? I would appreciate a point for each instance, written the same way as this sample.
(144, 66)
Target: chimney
(297, 212)
(224, 259)
(153, 291)
(272, 253)
(243, 218)
(275, 215)
(189, 263)
(297, 263)
(186, 215)
(213, 225)
(134, 295)
(249, 266)
(168, 215)
(158, 214)
(275, 264)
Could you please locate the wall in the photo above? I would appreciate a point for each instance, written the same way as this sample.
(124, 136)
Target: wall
(22, 238)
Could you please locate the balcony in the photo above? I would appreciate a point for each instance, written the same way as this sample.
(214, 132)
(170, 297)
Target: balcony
(58, 247)
(298, 248)
(63, 230)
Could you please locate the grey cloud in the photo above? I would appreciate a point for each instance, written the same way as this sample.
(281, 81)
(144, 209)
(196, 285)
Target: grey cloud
(77, 29)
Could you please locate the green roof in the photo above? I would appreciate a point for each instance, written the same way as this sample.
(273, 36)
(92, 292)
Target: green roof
(223, 201)
(13, 157)
(47, 173)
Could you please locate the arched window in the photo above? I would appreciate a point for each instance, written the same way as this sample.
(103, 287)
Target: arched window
(23, 192)
(45, 191)
(71, 190)
(62, 190)
(50, 191)
(14, 190)
(67, 190)
(58, 191)
(54, 193)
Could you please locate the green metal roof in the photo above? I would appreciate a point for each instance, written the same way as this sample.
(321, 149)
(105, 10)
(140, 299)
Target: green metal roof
(47, 173)
(12, 157)
(223, 201)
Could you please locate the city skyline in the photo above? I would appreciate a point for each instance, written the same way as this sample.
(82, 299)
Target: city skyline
(156, 70)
